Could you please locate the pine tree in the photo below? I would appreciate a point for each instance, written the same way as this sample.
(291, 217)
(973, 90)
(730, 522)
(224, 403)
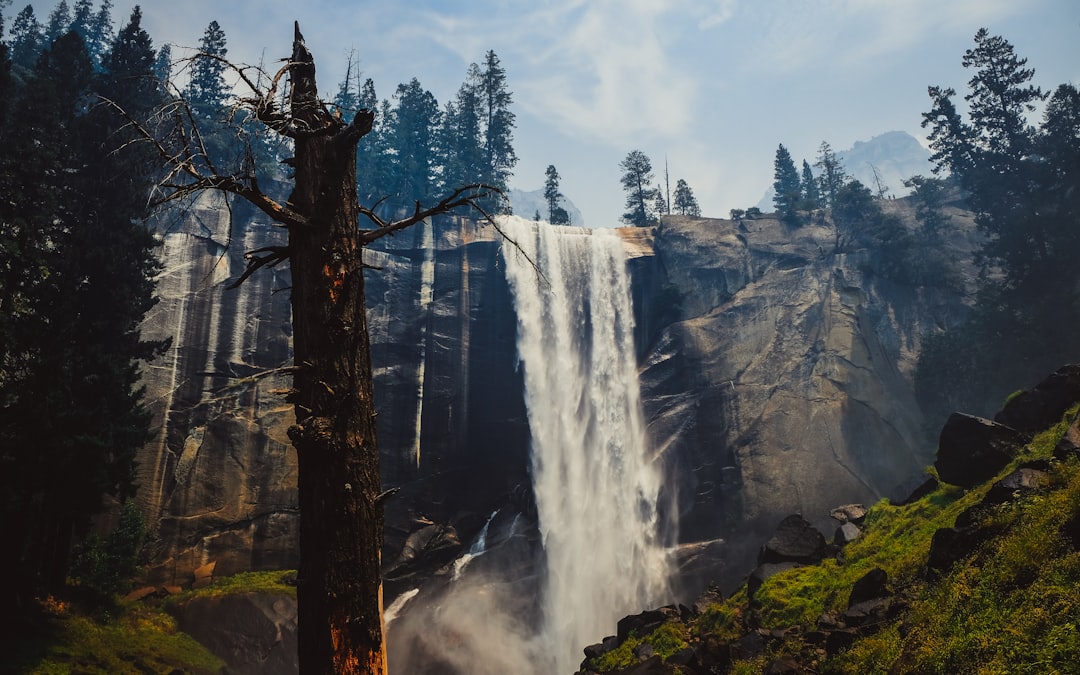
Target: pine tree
(832, 176)
(685, 202)
(809, 187)
(371, 151)
(71, 417)
(1020, 182)
(637, 179)
(27, 39)
(100, 35)
(347, 100)
(412, 134)
(495, 100)
(206, 92)
(660, 205)
(557, 215)
(163, 68)
(5, 73)
(461, 141)
(786, 185)
(81, 18)
(59, 22)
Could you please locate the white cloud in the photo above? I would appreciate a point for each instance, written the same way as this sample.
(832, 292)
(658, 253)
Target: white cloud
(717, 15)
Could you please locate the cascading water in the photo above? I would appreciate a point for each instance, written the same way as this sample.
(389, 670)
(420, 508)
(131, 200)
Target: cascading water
(596, 489)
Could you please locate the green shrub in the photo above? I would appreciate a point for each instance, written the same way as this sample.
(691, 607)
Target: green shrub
(104, 566)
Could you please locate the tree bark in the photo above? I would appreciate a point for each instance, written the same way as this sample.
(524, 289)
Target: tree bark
(339, 585)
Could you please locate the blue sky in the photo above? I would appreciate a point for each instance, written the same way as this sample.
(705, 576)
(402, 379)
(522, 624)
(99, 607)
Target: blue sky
(712, 85)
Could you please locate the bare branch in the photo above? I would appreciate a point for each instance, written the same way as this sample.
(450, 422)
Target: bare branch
(469, 195)
(274, 255)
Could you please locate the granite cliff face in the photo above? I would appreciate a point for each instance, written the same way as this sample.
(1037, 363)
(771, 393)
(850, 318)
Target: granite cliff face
(786, 384)
(776, 378)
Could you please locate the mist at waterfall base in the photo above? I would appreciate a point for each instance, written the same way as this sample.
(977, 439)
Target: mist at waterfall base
(529, 594)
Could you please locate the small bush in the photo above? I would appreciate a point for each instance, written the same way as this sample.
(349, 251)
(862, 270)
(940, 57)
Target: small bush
(104, 566)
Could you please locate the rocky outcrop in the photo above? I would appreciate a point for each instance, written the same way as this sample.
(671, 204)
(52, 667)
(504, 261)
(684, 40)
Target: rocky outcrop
(253, 633)
(972, 449)
(218, 482)
(785, 383)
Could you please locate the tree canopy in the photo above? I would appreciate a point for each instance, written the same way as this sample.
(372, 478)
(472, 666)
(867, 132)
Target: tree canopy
(76, 277)
(637, 180)
(1020, 180)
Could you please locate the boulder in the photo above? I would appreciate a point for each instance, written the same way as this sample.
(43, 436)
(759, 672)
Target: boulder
(972, 449)
(1022, 482)
(949, 545)
(872, 585)
(840, 639)
(849, 513)
(785, 666)
(1035, 410)
(1069, 445)
(640, 624)
(252, 632)
(795, 540)
(846, 533)
(712, 595)
(749, 646)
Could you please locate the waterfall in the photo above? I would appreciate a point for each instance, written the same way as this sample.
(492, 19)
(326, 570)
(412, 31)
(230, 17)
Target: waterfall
(596, 489)
(477, 549)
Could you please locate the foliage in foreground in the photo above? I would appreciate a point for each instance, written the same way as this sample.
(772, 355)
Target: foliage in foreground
(136, 639)
(131, 637)
(1013, 606)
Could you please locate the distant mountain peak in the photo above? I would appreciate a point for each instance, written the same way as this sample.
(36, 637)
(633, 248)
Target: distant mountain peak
(527, 203)
(897, 156)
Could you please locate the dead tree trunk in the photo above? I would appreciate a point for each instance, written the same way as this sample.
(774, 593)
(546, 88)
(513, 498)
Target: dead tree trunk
(339, 584)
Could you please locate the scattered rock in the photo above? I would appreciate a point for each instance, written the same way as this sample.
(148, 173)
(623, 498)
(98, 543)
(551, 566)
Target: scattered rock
(640, 624)
(952, 544)
(872, 585)
(204, 575)
(840, 639)
(683, 657)
(972, 449)
(849, 513)
(1035, 410)
(748, 646)
(871, 611)
(140, 593)
(711, 596)
(795, 540)
(1020, 483)
(644, 651)
(846, 533)
(1069, 445)
(714, 655)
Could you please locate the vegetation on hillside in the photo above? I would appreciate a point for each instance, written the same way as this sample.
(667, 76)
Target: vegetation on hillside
(1012, 605)
(131, 637)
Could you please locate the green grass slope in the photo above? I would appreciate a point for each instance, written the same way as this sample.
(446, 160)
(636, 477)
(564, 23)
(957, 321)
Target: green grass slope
(1010, 605)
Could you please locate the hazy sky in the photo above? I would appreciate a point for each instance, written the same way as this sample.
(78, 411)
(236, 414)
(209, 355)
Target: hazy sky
(713, 86)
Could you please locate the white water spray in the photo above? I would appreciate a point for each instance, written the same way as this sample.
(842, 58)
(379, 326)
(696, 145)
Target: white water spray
(596, 489)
